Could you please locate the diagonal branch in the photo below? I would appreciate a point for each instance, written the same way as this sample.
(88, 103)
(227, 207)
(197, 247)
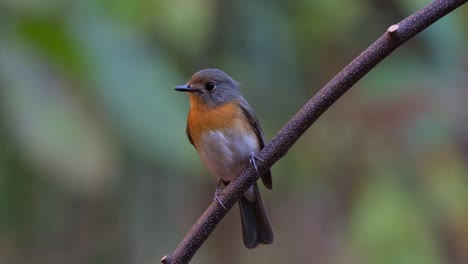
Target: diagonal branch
(395, 36)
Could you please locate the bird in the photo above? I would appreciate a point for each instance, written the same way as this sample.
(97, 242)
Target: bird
(224, 130)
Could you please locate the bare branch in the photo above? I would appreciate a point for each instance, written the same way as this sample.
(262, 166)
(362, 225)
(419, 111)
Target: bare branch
(290, 133)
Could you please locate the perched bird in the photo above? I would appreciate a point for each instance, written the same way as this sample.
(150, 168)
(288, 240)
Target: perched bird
(224, 130)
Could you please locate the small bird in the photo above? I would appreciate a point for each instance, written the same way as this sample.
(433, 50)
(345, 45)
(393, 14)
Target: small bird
(224, 130)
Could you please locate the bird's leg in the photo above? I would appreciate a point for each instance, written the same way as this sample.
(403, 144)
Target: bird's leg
(252, 160)
(218, 191)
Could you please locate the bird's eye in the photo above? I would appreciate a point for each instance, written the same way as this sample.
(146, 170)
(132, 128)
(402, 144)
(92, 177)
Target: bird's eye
(210, 86)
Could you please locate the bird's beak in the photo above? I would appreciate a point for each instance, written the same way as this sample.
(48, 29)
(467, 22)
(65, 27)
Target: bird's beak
(184, 88)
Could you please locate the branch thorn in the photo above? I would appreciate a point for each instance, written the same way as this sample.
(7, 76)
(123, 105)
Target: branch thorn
(392, 28)
(166, 259)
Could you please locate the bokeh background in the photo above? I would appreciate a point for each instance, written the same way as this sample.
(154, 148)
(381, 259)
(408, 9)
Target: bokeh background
(95, 166)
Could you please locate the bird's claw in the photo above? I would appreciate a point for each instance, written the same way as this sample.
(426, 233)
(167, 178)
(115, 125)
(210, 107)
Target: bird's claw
(218, 191)
(253, 157)
(217, 199)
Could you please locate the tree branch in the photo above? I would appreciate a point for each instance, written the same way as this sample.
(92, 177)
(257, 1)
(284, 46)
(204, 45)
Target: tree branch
(290, 133)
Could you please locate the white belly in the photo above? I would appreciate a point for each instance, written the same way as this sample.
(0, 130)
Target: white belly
(225, 153)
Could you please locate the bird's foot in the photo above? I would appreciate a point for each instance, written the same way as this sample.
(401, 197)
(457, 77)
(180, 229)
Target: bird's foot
(254, 157)
(218, 192)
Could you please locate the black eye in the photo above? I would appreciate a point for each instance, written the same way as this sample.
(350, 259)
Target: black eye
(209, 86)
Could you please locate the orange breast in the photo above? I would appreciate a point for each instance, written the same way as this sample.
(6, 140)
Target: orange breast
(201, 120)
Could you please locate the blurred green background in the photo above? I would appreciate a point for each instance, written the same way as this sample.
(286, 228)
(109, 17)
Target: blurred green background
(95, 166)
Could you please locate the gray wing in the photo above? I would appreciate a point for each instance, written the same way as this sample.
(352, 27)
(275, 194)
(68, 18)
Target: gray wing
(250, 115)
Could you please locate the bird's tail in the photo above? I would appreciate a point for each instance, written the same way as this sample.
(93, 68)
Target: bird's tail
(256, 227)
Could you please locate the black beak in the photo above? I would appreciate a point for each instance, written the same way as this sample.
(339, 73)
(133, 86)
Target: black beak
(184, 88)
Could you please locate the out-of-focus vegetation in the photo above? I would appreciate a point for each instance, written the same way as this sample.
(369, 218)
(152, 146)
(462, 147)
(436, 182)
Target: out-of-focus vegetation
(95, 166)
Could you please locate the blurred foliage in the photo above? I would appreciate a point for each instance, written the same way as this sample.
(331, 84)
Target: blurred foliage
(95, 166)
